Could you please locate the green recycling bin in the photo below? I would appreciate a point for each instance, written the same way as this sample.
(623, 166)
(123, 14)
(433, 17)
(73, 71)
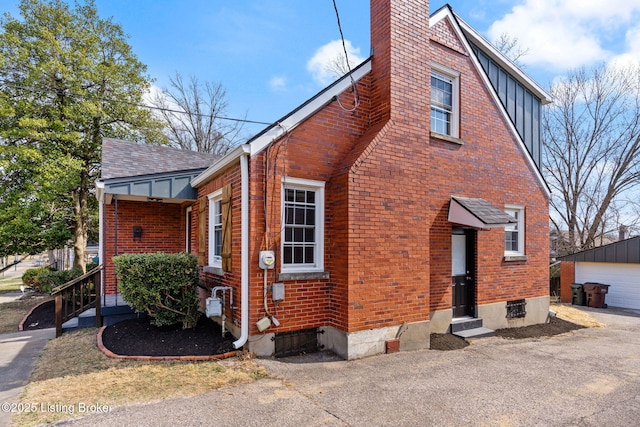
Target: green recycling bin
(577, 293)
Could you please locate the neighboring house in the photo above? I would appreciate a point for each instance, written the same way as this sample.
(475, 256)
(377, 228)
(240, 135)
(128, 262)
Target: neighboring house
(616, 264)
(346, 226)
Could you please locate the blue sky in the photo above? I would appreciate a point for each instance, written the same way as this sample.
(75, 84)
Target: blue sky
(262, 51)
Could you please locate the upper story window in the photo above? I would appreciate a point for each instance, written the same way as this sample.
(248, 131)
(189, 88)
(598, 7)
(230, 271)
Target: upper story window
(514, 233)
(444, 101)
(303, 227)
(215, 229)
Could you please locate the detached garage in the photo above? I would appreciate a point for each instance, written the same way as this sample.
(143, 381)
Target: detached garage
(616, 264)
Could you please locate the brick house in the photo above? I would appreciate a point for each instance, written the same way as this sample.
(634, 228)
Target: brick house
(403, 197)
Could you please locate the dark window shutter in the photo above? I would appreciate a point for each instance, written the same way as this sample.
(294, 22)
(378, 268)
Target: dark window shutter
(202, 232)
(226, 228)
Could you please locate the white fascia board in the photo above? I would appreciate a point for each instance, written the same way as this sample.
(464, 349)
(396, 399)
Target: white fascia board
(221, 164)
(446, 12)
(100, 191)
(307, 110)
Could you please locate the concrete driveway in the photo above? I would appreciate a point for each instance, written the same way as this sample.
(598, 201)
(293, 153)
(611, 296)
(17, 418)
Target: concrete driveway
(589, 377)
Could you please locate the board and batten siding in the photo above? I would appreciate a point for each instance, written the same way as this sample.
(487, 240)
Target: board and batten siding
(522, 106)
(624, 281)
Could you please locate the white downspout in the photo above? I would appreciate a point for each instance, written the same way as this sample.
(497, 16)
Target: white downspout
(244, 253)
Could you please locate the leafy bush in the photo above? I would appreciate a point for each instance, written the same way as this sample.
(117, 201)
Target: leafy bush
(162, 285)
(30, 276)
(51, 278)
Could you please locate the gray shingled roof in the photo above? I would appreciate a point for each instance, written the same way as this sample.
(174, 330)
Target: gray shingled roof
(128, 159)
(485, 211)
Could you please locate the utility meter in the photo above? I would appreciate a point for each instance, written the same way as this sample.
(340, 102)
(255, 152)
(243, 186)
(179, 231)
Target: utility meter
(267, 260)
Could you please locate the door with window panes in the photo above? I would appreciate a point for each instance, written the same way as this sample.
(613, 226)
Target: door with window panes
(463, 272)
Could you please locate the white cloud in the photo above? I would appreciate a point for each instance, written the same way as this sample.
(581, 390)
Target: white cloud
(321, 65)
(564, 34)
(278, 84)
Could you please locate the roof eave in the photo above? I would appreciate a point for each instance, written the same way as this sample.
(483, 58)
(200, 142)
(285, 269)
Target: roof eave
(307, 109)
(221, 164)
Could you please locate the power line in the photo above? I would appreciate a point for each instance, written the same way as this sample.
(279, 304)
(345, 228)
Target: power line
(148, 107)
(356, 96)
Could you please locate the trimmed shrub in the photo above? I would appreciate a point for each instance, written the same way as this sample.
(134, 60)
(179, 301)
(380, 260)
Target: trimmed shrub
(162, 285)
(52, 278)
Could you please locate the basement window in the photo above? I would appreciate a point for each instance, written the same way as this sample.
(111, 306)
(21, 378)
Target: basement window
(516, 309)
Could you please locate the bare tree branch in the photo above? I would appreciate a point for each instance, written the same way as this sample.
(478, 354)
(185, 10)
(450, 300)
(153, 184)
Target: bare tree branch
(192, 111)
(591, 138)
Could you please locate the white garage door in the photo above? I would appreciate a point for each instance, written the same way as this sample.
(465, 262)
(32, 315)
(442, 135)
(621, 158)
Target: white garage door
(623, 278)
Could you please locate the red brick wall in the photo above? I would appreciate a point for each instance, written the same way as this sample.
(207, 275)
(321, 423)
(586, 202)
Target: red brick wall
(388, 185)
(230, 278)
(567, 278)
(163, 230)
(490, 165)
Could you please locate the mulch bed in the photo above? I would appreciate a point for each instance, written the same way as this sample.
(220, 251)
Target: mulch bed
(137, 337)
(555, 326)
(42, 317)
(447, 342)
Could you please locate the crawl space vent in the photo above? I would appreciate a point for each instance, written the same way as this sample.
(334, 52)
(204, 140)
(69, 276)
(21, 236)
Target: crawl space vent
(296, 342)
(516, 309)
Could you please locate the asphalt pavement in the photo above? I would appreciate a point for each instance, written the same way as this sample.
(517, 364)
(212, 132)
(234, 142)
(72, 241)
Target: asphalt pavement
(589, 377)
(19, 352)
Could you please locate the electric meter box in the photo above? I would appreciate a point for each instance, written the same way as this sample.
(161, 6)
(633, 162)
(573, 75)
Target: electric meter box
(267, 260)
(214, 307)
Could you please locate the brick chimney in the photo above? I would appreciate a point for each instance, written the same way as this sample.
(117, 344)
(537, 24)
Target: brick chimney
(401, 65)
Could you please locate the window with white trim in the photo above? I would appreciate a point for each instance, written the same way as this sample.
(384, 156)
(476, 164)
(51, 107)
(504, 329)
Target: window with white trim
(215, 229)
(514, 233)
(303, 225)
(444, 101)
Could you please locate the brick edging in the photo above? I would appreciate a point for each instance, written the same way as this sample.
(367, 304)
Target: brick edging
(24, 319)
(111, 354)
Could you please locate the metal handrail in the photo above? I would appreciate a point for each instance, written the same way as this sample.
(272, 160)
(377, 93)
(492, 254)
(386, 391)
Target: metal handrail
(76, 296)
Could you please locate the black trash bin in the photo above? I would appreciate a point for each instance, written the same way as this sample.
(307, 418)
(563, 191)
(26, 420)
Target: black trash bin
(577, 292)
(595, 294)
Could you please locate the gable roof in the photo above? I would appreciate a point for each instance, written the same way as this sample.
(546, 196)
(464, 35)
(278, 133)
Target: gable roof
(128, 159)
(287, 123)
(294, 118)
(468, 35)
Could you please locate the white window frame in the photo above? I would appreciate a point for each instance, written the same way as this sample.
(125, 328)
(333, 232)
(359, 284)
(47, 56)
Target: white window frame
(215, 210)
(188, 215)
(318, 188)
(517, 212)
(441, 71)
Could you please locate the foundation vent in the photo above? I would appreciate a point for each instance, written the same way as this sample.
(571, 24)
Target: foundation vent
(516, 309)
(296, 342)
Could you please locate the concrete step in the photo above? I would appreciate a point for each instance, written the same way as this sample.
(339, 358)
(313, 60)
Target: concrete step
(464, 323)
(475, 333)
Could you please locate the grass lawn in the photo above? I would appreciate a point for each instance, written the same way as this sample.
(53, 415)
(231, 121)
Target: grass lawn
(8, 284)
(12, 313)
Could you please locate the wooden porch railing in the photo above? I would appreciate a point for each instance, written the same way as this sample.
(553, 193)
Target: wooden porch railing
(76, 296)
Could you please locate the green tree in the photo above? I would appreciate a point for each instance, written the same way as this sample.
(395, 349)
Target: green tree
(67, 79)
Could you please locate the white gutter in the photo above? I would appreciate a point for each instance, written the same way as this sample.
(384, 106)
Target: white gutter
(244, 252)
